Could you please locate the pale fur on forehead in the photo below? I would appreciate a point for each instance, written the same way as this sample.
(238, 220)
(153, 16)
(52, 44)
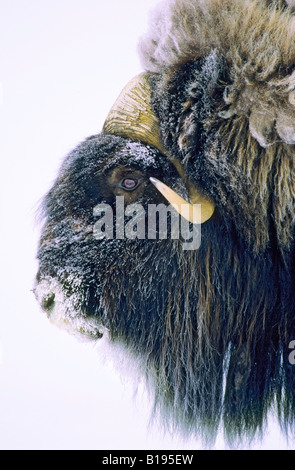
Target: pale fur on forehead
(182, 30)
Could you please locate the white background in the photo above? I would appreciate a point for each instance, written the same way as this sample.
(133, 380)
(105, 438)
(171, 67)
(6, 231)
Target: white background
(62, 63)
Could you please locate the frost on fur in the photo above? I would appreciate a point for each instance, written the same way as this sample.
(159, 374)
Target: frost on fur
(210, 328)
(63, 310)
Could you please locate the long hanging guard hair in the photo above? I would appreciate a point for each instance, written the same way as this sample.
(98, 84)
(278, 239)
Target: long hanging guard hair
(211, 328)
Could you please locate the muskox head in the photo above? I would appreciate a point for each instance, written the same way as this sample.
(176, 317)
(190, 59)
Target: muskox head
(210, 124)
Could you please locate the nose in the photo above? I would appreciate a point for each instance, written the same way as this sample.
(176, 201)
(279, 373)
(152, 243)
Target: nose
(48, 302)
(45, 294)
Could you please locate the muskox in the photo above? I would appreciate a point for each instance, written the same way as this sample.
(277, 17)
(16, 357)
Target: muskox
(210, 123)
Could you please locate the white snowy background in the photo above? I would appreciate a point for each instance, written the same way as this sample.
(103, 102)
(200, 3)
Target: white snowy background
(62, 65)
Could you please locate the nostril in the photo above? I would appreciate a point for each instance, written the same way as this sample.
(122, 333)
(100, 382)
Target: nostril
(48, 302)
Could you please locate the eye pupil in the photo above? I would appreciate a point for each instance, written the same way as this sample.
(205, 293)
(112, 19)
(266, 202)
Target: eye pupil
(129, 183)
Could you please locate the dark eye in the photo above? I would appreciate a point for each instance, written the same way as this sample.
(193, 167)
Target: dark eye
(129, 184)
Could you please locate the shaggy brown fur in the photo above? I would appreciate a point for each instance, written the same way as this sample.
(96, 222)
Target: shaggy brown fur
(224, 92)
(212, 327)
(247, 86)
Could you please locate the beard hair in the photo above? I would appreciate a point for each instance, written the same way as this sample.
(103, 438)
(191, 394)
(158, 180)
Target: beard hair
(210, 328)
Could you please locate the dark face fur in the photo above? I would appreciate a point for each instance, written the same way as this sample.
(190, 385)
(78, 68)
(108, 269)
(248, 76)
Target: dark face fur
(96, 172)
(210, 327)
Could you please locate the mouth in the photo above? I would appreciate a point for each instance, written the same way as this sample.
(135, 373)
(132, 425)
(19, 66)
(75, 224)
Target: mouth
(62, 310)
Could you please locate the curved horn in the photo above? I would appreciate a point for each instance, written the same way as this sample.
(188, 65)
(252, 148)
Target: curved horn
(132, 116)
(188, 210)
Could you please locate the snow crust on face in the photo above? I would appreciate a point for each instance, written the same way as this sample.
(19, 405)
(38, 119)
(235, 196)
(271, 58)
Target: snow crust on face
(141, 153)
(135, 152)
(64, 315)
(62, 310)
